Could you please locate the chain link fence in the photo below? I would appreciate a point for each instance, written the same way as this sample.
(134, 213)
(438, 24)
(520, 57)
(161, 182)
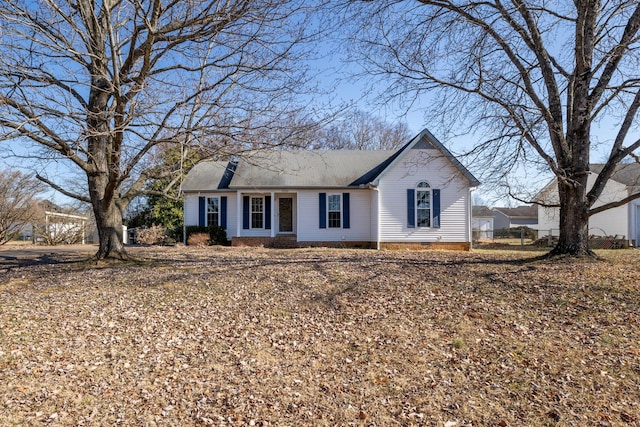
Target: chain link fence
(526, 236)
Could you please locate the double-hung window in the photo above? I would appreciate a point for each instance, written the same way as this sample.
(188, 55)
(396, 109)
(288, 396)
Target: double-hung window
(213, 211)
(334, 210)
(423, 204)
(257, 212)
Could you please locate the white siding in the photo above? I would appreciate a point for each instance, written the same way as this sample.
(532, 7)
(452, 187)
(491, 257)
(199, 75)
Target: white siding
(608, 223)
(548, 218)
(308, 217)
(232, 214)
(256, 232)
(431, 166)
(612, 221)
(190, 209)
(191, 206)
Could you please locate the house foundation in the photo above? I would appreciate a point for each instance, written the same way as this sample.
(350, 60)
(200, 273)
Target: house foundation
(418, 246)
(291, 242)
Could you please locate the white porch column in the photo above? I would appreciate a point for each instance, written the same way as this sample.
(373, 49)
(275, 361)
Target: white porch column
(238, 213)
(273, 214)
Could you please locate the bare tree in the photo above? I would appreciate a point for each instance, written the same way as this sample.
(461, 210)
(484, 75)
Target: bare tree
(360, 130)
(532, 76)
(18, 203)
(99, 84)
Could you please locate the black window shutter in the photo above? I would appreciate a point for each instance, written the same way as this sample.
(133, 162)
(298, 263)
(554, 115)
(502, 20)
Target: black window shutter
(322, 214)
(223, 212)
(267, 212)
(436, 208)
(345, 211)
(246, 212)
(411, 208)
(202, 214)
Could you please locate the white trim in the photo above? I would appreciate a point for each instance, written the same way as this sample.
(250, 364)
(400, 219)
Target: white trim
(251, 197)
(272, 212)
(206, 209)
(341, 209)
(239, 213)
(276, 213)
(428, 189)
(49, 213)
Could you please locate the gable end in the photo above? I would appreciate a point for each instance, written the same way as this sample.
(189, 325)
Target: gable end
(422, 140)
(423, 144)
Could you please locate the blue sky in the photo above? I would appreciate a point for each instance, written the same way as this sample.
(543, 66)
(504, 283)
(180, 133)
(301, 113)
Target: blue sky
(336, 76)
(332, 74)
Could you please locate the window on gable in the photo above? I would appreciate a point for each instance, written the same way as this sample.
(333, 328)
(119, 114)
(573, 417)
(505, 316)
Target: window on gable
(423, 204)
(213, 211)
(257, 212)
(334, 210)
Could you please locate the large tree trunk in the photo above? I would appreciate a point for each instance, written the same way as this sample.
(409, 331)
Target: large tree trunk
(108, 213)
(103, 179)
(109, 224)
(574, 219)
(573, 155)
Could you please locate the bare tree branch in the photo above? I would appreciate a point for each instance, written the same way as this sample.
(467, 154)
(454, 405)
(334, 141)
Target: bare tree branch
(18, 199)
(615, 204)
(62, 190)
(101, 84)
(530, 77)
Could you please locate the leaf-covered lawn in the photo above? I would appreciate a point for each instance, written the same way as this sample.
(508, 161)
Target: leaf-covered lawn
(322, 337)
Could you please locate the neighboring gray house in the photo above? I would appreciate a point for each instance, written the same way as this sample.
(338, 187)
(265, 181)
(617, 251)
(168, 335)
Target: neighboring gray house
(419, 195)
(621, 221)
(515, 217)
(482, 222)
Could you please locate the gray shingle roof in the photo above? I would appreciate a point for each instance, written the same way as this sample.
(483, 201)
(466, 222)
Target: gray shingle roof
(206, 176)
(626, 173)
(481, 211)
(303, 169)
(307, 169)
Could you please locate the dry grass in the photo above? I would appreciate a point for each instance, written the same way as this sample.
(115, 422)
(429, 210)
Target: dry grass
(228, 336)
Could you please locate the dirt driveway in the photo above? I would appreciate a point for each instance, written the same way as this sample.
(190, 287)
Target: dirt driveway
(19, 253)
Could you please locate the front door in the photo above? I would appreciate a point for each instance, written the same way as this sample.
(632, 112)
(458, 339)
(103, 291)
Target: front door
(285, 214)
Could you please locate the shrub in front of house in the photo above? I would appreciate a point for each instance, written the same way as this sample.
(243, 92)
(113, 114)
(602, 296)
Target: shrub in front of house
(198, 239)
(153, 235)
(216, 235)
